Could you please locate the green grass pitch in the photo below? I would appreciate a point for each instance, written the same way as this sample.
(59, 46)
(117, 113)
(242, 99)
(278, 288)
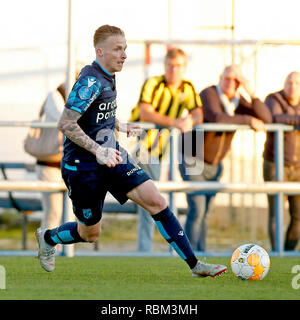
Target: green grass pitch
(139, 278)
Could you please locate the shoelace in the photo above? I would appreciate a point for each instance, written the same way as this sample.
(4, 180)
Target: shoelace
(203, 260)
(49, 252)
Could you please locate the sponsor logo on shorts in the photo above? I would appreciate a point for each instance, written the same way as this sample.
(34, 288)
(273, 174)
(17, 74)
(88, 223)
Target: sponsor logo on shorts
(129, 173)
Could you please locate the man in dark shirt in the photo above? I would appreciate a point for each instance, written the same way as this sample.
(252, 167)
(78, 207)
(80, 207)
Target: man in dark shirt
(221, 104)
(285, 108)
(94, 162)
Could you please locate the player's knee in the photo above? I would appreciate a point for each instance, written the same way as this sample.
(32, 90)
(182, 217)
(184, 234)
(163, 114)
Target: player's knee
(91, 239)
(92, 236)
(157, 202)
(161, 202)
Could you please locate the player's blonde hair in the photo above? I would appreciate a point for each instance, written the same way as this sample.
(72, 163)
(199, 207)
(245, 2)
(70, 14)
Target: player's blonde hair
(105, 31)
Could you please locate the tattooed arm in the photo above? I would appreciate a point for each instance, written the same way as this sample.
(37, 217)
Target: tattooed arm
(69, 127)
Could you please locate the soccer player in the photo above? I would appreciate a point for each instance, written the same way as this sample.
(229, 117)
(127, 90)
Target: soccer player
(94, 163)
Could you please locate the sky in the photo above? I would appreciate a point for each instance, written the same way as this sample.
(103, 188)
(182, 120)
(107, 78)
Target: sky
(36, 22)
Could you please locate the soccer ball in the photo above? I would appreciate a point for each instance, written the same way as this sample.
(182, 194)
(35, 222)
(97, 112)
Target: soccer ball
(250, 262)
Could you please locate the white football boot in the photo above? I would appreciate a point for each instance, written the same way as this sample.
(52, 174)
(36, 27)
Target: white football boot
(46, 252)
(203, 269)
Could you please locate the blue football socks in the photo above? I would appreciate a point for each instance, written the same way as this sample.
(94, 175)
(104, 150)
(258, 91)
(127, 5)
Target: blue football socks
(171, 230)
(165, 220)
(65, 234)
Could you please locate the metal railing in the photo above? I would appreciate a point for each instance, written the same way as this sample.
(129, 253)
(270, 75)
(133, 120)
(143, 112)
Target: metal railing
(278, 188)
(279, 130)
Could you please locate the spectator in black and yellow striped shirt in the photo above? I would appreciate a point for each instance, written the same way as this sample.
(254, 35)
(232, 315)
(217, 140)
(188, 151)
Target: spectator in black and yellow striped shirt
(167, 101)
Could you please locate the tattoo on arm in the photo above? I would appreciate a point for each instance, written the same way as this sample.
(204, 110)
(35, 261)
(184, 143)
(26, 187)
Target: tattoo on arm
(69, 127)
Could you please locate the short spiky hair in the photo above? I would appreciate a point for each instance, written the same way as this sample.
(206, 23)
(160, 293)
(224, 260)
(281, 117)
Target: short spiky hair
(103, 32)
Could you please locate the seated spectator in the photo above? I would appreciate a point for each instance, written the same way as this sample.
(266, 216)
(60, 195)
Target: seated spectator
(285, 108)
(222, 103)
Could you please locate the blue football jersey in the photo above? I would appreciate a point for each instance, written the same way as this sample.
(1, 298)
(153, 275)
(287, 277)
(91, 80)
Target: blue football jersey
(94, 97)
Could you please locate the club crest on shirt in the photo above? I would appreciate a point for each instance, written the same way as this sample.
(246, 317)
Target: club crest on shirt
(85, 93)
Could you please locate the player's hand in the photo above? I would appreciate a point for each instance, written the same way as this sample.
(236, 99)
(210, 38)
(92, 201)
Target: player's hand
(257, 124)
(108, 156)
(185, 124)
(132, 130)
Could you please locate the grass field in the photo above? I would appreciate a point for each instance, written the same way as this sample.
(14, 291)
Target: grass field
(139, 278)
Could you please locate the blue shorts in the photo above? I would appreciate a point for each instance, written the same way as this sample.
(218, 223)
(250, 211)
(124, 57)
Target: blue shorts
(88, 182)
